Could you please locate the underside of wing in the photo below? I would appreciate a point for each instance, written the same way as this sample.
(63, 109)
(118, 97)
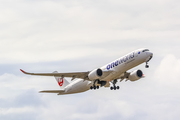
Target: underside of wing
(73, 75)
(132, 76)
(106, 73)
(52, 91)
(124, 76)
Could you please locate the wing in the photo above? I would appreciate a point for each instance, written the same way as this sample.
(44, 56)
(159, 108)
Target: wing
(52, 91)
(73, 75)
(125, 75)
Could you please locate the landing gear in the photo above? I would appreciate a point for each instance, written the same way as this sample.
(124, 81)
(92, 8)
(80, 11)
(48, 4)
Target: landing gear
(114, 87)
(94, 85)
(103, 83)
(147, 66)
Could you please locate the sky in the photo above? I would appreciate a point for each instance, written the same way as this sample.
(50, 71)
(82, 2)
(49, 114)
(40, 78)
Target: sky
(81, 35)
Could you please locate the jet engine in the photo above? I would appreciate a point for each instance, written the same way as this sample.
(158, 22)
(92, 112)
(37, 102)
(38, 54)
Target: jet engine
(95, 74)
(135, 75)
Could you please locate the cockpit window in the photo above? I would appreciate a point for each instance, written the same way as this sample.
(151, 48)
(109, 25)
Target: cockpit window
(145, 50)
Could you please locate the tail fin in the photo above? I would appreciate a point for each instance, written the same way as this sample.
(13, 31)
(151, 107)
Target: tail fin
(61, 81)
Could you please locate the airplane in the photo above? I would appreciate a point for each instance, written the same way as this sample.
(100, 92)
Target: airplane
(103, 76)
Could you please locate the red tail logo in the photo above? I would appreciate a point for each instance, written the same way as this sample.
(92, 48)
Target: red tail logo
(60, 81)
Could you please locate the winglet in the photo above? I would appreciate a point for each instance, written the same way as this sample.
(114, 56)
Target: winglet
(23, 71)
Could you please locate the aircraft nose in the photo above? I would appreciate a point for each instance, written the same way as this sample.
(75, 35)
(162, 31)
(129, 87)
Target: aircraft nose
(149, 54)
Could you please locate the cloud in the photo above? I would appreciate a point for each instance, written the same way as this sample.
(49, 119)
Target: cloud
(167, 72)
(23, 106)
(18, 113)
(135, 100)
(19, 98)
(44, 35)
(61, 30)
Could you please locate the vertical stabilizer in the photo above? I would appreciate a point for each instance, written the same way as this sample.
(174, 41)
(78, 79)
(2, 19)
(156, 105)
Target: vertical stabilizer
(62, 82)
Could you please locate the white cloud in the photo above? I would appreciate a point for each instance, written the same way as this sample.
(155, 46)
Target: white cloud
(37, 31)
(78, 33)
(16, 110)
(135, 100)
(168, 72)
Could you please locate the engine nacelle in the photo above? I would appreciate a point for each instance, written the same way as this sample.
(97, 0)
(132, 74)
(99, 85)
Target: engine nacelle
(135, 75)
(95, 74)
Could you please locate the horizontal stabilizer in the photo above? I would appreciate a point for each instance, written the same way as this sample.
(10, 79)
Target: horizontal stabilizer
(52, 91)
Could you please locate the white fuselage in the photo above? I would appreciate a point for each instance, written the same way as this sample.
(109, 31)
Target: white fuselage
(121, 65)
(77, 86)
(118, 67)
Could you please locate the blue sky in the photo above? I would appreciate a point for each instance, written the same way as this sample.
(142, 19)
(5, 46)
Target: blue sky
(78, 35)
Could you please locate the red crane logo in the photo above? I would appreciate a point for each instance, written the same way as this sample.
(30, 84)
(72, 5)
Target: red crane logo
(60, 81)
